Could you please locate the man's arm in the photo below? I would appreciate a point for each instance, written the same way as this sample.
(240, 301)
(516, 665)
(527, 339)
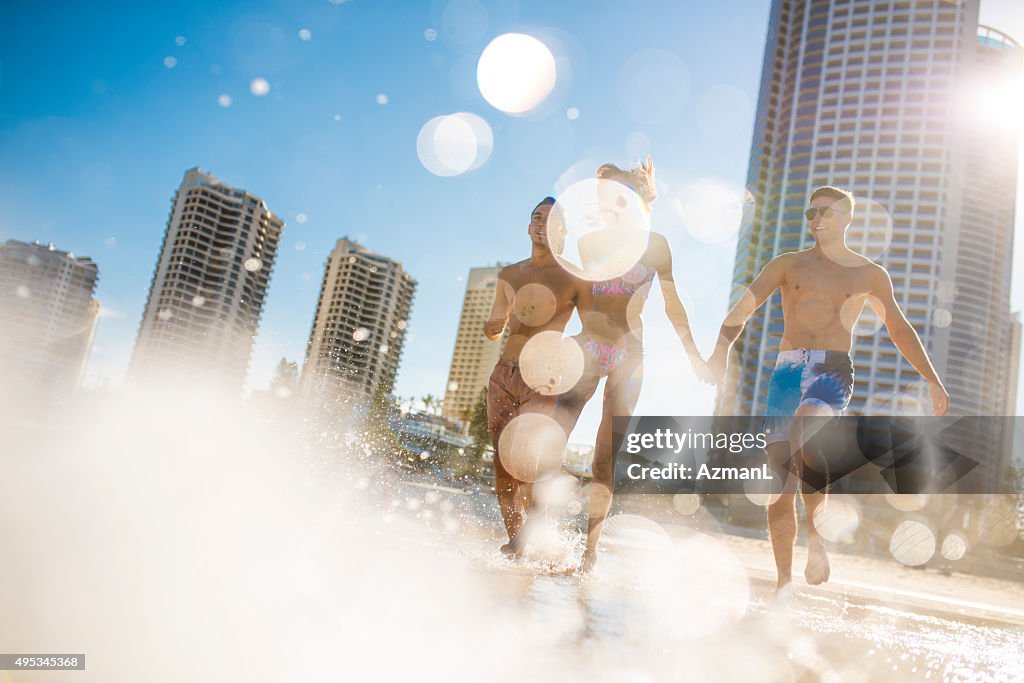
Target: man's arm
(767, 281)
(904, 336)
(500, 309)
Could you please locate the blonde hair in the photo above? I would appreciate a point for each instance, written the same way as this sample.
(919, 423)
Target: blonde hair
(639, 178)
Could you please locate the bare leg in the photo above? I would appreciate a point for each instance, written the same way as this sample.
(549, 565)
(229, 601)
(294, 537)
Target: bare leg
(525, 508)
(813, 490)
(817, 570)
(620, 396)
(570, 405)
(525, 514)
(510, 495)
(782, 513)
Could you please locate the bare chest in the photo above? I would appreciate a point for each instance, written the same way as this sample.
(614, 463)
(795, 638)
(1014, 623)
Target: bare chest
(540, 300)
(817, 296)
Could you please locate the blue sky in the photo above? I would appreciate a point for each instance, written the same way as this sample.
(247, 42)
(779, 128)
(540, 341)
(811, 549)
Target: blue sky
(96, 131)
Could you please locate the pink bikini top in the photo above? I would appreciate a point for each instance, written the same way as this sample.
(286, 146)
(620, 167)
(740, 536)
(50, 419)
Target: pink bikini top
(637, 280)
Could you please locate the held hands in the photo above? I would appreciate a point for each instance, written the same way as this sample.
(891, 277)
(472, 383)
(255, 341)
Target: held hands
(718, 364)
(940, 398)
(701, 369)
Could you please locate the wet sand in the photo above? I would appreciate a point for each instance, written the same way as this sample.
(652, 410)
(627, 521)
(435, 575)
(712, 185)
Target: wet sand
(712, 615)
(213, 554)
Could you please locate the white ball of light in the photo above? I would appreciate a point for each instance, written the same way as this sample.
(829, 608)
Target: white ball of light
(516, 72)
(259, 87)
(451, 145)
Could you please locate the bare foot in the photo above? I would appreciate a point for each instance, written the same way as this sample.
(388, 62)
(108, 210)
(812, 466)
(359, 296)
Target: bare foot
(784, 598)
(515, 548)
(782, 584)
(589, 560)
(817, 570)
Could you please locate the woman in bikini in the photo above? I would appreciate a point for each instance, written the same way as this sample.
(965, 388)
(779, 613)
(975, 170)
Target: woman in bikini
(612, 337)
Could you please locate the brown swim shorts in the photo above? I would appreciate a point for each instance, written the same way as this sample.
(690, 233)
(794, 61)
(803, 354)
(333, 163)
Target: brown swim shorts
(509, 396)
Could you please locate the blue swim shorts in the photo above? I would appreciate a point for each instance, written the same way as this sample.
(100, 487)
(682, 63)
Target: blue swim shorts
(823, 379)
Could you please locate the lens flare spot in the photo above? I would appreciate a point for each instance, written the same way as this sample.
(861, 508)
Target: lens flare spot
(305, 34)
(451, 145)
(836, 519)
(516, 72)
(870, 231)
(430, 35)
(170, 62)
(913, 543)
(259, 86)
(942, 317)
(198, 301)
(858, 315)
(999, 523)
(713, 210)
(382, 99)
(23, 292)
(531, 447)
(761, 492)
(551, 364)
(556, 492)
(686, 503)
(572, 113)
(954, 547)
(599, 229)
(224, 100)
(534, 304)
(253, 265)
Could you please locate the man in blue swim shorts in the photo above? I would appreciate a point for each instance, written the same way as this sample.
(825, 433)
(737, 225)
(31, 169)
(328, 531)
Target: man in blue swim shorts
(824, 290)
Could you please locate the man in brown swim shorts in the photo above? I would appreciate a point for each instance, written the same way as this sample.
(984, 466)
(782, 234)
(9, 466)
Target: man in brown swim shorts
(533, 296)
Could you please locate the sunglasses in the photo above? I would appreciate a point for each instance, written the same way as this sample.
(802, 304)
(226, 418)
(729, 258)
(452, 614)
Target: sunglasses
(814, 211)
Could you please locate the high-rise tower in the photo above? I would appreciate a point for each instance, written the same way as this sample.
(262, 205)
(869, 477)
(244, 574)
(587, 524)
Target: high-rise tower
(362, 316)
(210, 283)
(48, 317)
(878, 97)
(474, 355)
